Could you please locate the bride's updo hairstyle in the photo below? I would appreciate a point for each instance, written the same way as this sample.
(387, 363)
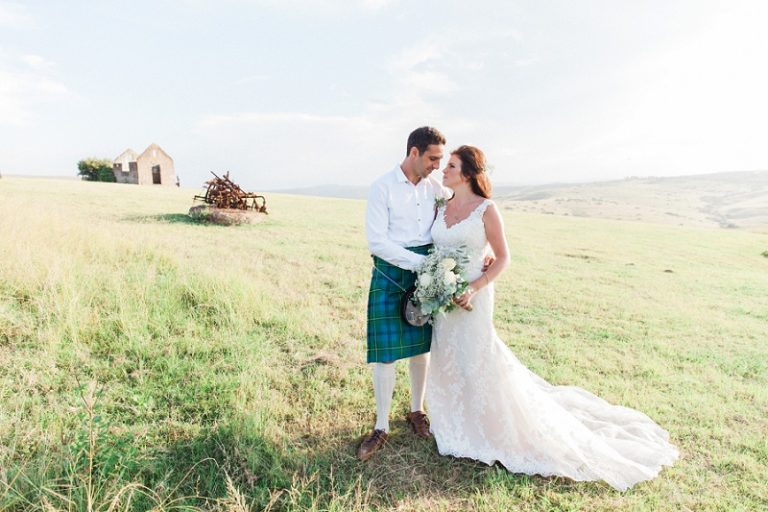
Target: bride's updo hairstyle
(473, 167)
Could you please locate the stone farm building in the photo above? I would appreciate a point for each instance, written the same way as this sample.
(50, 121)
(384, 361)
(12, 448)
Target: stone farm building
(152, 167)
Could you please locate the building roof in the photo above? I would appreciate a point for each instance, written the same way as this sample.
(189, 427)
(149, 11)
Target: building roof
(128, 154)
(156, 147)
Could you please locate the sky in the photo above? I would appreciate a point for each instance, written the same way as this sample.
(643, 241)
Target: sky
(298, 93)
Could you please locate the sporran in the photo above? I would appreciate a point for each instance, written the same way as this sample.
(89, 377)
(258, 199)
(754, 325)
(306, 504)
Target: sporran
(409, 308)
(411, 311)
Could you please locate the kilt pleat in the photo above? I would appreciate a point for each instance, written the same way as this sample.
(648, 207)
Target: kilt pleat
(389, 336)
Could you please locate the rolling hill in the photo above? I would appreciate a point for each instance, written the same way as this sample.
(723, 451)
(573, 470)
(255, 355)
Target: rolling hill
(725, 200)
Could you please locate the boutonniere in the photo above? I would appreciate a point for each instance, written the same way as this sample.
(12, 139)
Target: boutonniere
(439, 202)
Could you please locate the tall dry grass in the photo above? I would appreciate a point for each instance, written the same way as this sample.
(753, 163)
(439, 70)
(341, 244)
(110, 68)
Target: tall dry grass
(152, 363)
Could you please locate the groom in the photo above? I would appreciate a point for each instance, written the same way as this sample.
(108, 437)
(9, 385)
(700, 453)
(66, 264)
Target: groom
(399, 216)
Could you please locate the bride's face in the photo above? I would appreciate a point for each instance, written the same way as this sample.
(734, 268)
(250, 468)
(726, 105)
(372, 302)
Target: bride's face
(452, 176)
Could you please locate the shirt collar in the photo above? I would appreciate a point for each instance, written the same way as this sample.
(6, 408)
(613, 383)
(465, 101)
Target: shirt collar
(402, 178)
(399, 174)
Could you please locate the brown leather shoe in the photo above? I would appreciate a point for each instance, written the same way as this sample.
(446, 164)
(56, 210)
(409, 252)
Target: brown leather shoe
(419, 423)
(371, 444)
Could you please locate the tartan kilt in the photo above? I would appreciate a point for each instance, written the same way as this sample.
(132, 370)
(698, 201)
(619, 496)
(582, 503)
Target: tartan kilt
(389, 336)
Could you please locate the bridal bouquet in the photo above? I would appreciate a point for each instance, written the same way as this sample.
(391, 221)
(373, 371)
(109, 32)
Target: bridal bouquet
(440, 278)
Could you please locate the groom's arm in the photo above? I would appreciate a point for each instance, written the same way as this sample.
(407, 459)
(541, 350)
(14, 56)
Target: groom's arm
(377, 231)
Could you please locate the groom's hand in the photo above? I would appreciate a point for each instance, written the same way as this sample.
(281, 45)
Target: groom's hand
(488, 261)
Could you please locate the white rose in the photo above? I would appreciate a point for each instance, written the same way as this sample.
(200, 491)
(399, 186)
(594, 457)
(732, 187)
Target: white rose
(448, 263)
(425, 280)
(449, 277)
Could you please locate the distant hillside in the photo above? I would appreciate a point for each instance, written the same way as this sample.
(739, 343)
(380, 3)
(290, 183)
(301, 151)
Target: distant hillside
(341, 191)
(728, 200)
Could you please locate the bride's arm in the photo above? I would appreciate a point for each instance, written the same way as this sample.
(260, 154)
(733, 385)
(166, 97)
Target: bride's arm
(494, 232)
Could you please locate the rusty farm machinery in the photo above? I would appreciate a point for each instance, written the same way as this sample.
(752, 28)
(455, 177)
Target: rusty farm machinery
(221, 192)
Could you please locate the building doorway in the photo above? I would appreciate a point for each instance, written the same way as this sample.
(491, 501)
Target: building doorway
(156, 175)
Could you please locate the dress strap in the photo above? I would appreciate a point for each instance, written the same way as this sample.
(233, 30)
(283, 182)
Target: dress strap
(480, 210)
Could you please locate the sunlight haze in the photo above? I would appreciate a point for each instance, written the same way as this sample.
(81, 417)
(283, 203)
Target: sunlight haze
(287, 94)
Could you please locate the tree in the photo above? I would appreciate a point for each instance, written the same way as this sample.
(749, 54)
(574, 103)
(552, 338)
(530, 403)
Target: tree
(96, 169)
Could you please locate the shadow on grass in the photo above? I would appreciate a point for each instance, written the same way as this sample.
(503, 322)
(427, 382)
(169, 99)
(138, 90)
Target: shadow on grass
(168, 218)
(194, 465)
(324, 474)
(180, 218)
(197, 469)
(406, 472)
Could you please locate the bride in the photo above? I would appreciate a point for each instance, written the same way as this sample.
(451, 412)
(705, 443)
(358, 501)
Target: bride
(485, 404)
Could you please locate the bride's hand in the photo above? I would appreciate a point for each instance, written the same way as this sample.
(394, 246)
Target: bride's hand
(464, 300)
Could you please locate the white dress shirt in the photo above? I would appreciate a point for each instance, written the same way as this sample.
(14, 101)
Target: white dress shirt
(399, 215)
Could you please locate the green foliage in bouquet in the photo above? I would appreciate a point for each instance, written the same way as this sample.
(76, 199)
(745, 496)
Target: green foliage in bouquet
(441, 277)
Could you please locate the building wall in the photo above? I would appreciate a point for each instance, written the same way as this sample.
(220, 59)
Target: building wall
(126, 173)
(124, 167)
(151, 157)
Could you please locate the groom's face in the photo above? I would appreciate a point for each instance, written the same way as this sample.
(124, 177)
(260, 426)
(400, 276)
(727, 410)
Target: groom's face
(428, 161)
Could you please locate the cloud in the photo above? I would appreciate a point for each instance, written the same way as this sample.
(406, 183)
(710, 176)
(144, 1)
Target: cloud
(696, 104)
(439, 63)
(290, 149)
(25, 86)
(271, 118)
(526, 62)
(424, 53)
(14, 15)
(424, 83)
(251, 79)
(305, 8)
(25, 80)
(431, 82)
(37, 63)
(375, 5)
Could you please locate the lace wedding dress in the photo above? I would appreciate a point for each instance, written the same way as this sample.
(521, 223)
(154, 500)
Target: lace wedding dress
(486, 405)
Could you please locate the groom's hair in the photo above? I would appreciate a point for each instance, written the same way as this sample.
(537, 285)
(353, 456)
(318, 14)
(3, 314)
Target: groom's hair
(422, 138)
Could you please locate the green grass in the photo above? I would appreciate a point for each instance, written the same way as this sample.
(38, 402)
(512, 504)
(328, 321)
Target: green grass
(151, 362)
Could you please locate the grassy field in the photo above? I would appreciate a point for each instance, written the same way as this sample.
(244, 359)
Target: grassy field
(148, 362)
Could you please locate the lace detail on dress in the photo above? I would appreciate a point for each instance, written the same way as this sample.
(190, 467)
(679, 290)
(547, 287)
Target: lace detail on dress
(486, 405)
(468, 233)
